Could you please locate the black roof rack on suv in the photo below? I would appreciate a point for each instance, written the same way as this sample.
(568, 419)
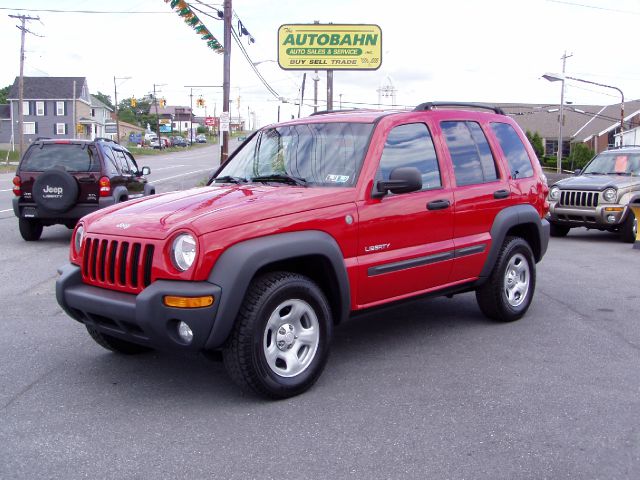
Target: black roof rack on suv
(618, 147)
(346, 110)
(432, 105)
(105, 139)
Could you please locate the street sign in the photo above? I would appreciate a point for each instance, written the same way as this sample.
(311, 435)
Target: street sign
(224, 121)
(329, 47)
(210, 121)
(110, 128)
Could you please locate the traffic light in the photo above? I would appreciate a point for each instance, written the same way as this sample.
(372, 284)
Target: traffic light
(200, 102)
(133, 102)
(163, 102)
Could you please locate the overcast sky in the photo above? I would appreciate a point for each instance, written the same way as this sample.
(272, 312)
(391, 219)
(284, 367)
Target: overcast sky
(458, 50)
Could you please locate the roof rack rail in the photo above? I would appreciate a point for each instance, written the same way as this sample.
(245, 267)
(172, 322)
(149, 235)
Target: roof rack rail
(346, 110)
(105, 139)
(434, 105)
(41, 138)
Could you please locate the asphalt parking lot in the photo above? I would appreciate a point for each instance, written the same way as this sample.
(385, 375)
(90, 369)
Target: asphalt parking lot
(429, 389)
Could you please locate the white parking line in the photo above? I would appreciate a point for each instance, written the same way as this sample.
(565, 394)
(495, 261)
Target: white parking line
(8, 210)
(7, 190)
(165, 168)
(182, 175)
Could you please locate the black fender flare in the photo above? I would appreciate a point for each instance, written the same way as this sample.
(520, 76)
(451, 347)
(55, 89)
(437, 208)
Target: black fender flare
(512, 217)
(120, 192)
(237, 266)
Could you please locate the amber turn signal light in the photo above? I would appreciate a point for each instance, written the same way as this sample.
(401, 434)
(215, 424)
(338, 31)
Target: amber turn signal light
(187, 302)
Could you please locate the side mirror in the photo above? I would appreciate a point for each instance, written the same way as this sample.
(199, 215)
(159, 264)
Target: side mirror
(146, 170)
(577, 171)
(401, 180)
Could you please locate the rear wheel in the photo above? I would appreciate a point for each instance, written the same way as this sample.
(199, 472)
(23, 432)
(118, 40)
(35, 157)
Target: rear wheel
(115, 344)
(30, 229)
(508, 292)
(559, 230)
(629, 229)
(280, 341)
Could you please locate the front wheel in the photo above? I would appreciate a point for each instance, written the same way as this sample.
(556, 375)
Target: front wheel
(508, 292)
(280, 341)
(629, 229)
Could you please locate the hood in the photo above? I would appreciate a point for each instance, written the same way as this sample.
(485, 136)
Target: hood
(597, 182)
(208, 209)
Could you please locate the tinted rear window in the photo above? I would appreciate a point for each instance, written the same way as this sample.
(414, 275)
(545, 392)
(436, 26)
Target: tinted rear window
(73, 158)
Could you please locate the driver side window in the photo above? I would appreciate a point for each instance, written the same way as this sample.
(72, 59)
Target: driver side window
(411, 145)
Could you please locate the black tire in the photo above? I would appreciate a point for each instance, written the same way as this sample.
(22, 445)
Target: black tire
(514, 266)
(629, 228)
(55, 190)
(260, 338)
(30, 229)
(115, 344)
(559, 230)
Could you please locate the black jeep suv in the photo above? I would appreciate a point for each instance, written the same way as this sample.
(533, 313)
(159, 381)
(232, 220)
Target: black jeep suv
(60, 181)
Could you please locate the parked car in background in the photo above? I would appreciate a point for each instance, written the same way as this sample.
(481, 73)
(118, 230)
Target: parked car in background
(178, 141)
(164, 141)
(599, 196)
(60, 181)
(201, 138)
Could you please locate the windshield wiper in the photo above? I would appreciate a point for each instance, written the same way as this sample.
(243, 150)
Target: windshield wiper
(230, 179)
(281, 177)
(594, 173)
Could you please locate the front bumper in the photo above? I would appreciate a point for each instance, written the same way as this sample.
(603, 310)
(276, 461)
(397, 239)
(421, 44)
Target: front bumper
(142, 318)
(597, 217)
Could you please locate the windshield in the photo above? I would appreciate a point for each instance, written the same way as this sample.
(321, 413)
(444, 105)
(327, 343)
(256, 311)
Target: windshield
(614, 163)
(73, 157)
(319, 154)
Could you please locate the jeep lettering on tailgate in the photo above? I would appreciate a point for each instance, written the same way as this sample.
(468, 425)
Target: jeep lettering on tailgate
(308, 222)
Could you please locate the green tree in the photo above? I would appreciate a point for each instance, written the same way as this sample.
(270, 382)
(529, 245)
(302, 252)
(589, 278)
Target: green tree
(580, 155)
(536, 142)
(3, 93)
(104, 98)
(140, 114)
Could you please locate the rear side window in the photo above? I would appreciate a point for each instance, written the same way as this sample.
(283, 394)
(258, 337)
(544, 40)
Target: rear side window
(514, 150)
(411, 146)
(470, 153)
(71, 157)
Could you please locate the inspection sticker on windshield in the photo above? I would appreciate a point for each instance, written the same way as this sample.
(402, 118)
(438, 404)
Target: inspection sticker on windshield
(337, 178)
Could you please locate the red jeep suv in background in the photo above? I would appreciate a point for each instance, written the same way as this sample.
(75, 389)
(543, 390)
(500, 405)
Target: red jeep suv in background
(308, 222)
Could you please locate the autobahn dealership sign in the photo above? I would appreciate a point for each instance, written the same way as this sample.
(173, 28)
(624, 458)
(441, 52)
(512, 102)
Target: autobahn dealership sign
(329, 47)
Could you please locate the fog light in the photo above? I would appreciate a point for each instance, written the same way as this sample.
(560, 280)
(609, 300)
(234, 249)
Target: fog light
(611, 218)
(185, 332)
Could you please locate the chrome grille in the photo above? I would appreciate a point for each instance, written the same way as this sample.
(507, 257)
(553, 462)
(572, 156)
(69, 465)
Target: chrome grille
(118, 264)
(575, 198)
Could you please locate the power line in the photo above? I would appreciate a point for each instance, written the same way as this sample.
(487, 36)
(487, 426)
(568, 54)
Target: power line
(575, 4)
(109, 12)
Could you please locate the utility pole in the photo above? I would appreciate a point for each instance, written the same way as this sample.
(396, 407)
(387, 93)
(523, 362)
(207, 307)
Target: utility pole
(304, 79)
(23, 28)
(226, 83)
(115, 96)
(316, 79)
(191, 116)
(155, 101)
(561, 115)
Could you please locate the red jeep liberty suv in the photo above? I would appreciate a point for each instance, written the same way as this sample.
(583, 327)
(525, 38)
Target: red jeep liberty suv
(308, 222)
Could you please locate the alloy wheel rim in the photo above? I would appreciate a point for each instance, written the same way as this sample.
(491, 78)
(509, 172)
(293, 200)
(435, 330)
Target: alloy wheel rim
(517, 278)
(291, 338)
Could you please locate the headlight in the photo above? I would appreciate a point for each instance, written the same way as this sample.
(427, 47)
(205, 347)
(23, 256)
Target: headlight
(610, 194)
(183, 251)
(554, 193)
(77, 238)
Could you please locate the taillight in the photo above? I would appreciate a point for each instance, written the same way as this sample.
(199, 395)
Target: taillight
(17, 186)
(105, 187)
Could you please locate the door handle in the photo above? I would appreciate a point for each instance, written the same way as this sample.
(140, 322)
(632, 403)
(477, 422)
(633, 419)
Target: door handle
(501, 194)
(438, 205)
